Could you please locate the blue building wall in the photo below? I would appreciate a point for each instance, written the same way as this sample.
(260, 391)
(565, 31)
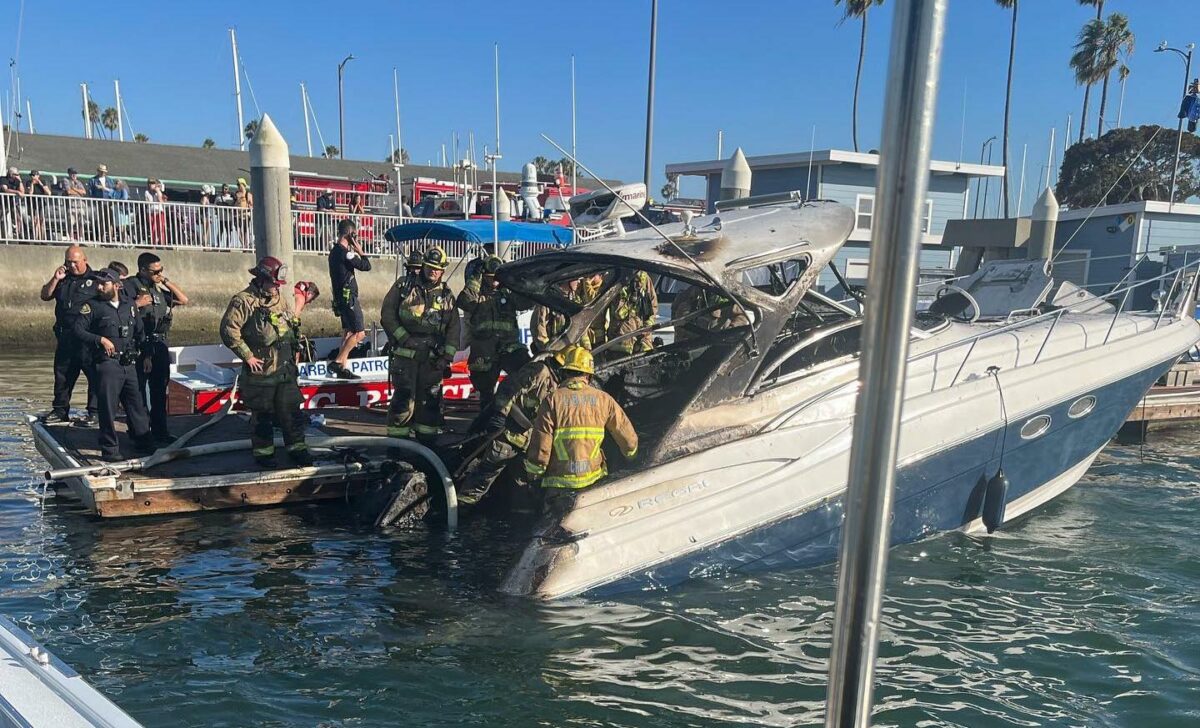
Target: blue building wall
(1108, 248)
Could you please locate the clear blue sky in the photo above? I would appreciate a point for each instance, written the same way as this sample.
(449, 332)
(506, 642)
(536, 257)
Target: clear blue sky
(765, 72)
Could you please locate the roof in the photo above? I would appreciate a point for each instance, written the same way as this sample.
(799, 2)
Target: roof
(827, 157)
(724, 242)
(191, 166)
(1126, 208)
(480, 231)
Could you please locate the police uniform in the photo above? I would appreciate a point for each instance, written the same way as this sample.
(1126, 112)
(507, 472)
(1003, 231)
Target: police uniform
(70, 356)
(261, 324)
(517, 402)
(423, 327)
(342, 265)
(636, 307)
(115, 376)
(492, 325)
(156, 325)
(565, 444)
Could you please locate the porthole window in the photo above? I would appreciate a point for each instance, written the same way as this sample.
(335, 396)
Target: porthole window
(1081, 407)
(1035, 427)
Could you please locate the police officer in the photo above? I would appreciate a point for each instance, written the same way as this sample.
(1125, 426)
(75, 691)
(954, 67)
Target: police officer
(423, 328)
(565, 445)
(156, 298)
(345, 257)
(635, 307)
(491, 312)
(260, 326)
(517, 402)
(112, 328)
(70, 287)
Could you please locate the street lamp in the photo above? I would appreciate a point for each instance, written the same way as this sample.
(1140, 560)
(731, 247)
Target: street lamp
(1187, 71)
(342, 110)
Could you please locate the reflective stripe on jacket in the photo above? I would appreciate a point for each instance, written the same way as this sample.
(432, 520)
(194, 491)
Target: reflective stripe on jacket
(565, 445)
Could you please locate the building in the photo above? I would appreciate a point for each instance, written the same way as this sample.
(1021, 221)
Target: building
(849, 178)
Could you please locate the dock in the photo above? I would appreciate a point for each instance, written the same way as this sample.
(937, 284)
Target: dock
(230, 479)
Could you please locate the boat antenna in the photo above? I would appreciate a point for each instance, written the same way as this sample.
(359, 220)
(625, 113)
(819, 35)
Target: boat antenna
(700, 269)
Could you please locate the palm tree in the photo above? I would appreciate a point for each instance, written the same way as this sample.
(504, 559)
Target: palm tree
(108, 119)
(1085, 63)
(208, 143)
(1012, 51)
(1118, 42)
(399, 155)
(1087, 89)
(93, 115)
(141, 138)
(331, 151)
(543, 165)
(857, 9)
(1122, 75)
(251, 128)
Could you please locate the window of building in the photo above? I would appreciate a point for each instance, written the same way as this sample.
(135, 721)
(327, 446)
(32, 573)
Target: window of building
(927, 221)
(865, 209)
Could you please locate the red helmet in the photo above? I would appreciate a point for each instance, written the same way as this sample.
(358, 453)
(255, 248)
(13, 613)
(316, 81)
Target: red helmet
(272, 268)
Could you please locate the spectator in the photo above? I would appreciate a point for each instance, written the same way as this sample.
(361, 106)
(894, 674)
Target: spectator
(72, 187)
(325, 209)
(156, 212)
(243, 200)
(100, 186)
(124, 213)
(207, 214)
(224, 215)
(12, 204)
(38, 205)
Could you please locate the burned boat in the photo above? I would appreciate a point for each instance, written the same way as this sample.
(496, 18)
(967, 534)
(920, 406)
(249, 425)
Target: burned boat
(1014, 385)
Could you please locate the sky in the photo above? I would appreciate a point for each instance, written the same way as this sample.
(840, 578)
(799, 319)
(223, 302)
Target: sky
(767, 73)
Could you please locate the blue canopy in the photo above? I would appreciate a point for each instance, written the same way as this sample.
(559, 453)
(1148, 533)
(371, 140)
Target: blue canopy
(480, 231)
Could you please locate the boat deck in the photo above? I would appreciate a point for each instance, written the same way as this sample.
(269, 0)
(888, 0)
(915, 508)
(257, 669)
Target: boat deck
(225, 480)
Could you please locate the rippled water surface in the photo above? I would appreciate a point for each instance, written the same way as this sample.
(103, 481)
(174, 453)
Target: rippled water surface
(1087, 614)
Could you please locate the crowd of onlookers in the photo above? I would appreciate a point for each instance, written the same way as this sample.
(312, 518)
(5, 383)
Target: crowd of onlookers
(51, 208)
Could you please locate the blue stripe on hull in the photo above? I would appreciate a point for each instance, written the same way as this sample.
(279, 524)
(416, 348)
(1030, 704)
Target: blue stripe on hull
(940, 493)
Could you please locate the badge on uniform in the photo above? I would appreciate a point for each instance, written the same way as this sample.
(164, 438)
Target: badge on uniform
(85, 309)
(87, 283)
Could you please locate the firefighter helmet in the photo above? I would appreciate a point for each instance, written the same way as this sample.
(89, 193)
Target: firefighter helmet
(577, 359)
(414, 260)
(491, 264)
(271, 268)
(436, 258)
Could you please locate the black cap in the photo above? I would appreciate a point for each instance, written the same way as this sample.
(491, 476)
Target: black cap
(72, 170)
(106, 274)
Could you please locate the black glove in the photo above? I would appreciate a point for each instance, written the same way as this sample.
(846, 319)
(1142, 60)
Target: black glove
(497, 422)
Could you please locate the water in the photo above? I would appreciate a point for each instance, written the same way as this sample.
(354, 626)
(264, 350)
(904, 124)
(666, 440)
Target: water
(1087, 614)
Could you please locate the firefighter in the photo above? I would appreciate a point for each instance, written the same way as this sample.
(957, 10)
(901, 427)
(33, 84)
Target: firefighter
(719, 313)
(546, 324)
(423, 328)
(514, 410)
(565, 445)
(412, 266)
(261, 327)
(491, 312)
(636, 307)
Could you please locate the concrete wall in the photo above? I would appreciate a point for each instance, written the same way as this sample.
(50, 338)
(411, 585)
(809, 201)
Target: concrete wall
(209, 278)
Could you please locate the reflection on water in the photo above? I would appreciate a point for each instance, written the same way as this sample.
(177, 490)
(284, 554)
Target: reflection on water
(1086, 614)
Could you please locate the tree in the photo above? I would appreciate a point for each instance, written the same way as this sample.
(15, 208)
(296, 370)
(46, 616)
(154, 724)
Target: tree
(141, 138)
(93, 115)
(401, 156)
(1087, 87)
(331, 151)
(857, 9)
(1012, 51)
(543, 165)
(567, 167)
(671, 189)
(251, 129)
(110, 121)
(1117, 42)
(1091, 167)
(208, 143)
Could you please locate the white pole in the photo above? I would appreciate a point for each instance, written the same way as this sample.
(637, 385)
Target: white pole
(304, 108)
(1021, 193)
(117, 93)
(1050, 156)
(87, 119)
(720, 143)
(3, 149)
(396, 98)
(237, 90)
(496, 157)
(574, 174)
(812, 148)
(29, 113)
(496, 60)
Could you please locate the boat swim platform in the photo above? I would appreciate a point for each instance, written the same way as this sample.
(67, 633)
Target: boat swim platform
(215, 481)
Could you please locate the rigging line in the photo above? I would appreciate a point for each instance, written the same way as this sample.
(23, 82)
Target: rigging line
(250, 86)
(1120, 177)
(317, 124)
(995, 372)
(707, 276)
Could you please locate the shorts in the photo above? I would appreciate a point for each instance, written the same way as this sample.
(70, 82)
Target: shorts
(352, 317)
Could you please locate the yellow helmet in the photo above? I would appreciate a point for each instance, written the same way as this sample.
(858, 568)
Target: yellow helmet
(576, 358)
(436, 258)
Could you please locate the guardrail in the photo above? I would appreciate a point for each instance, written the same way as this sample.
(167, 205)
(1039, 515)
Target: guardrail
(55, 220)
